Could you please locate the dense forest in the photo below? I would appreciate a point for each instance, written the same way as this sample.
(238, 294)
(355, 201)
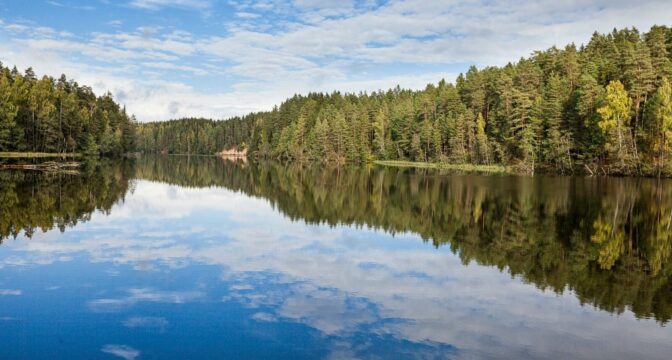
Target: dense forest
(60, 116)
(604, 107)
(195, 136)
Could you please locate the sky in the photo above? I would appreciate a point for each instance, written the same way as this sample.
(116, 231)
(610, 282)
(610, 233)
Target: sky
(167, 59)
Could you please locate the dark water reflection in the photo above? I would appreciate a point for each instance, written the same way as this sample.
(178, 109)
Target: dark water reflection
(176, 257)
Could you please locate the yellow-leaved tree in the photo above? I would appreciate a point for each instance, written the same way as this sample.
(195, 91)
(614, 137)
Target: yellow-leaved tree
(615, 115)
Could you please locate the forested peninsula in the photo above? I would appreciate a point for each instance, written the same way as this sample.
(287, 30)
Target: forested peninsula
(602, 108)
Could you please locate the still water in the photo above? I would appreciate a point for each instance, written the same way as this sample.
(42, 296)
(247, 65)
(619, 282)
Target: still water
(177, 257)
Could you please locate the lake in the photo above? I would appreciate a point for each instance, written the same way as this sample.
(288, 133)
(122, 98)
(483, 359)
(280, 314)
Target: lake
(201, 257)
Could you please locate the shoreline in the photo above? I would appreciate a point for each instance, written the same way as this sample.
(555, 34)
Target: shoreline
(499, 169)
(30, 155)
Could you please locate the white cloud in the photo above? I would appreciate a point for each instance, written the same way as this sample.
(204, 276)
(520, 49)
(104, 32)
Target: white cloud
(274, 49)
(10, 292)
(158, 4)
(247, 15)
(145, 322)
(123, 351)
(136, 295)
(264, 317)
(171, 66)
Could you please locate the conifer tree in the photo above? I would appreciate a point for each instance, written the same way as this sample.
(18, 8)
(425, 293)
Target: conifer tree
(659, 126)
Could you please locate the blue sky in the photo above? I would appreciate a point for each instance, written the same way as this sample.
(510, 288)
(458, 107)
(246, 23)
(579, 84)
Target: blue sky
(172, 58)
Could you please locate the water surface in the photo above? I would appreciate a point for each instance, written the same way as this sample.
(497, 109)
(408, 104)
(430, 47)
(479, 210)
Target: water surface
(178, 257)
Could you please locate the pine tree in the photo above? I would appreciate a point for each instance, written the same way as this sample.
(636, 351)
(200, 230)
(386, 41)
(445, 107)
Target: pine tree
(8, 111)
(321, 135)
(638, 75)
(556, 143)
(90, 147)
(524, 129)
(659, 126)
(660, 58)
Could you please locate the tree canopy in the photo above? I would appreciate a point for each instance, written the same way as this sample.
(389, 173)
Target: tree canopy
(568, 109)
(60, 116)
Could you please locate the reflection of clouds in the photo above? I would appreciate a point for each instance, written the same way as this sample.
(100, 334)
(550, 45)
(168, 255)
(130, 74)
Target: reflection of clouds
(339, 280)
(10, 292)
(159, 202)
(134, 296)
(145, 322)
(123, 351)
(330, 311)
(263, 317)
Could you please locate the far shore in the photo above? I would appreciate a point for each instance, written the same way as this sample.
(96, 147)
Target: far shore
(460, 167)
(24, 155)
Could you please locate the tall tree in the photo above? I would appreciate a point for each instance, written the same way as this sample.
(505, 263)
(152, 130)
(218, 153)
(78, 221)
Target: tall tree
(659, 126)
(614, 116)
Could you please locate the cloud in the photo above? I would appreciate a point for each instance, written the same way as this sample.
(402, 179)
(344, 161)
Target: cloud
(10, 292)
(271, 50)
(264, 317)
(159, 4)
(145, 322)
(70, 6)
(247, 15)
(136, 295)
(123, 351)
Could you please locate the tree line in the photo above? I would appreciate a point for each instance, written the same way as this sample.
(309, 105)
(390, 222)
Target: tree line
(60, 116)
(603, 107)
(194, 135)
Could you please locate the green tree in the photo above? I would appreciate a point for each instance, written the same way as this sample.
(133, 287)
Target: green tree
(8, 111)
(482, 141)
(556, 142)
(614, 116)
(659, 126)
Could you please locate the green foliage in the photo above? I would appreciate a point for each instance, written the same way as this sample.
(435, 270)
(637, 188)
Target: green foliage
(614, 116)
(201, 136)
(558, 109)
(658, 122)
(59, 116)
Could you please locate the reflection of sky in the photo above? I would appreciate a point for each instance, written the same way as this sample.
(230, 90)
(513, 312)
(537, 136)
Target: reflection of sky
(195, 273)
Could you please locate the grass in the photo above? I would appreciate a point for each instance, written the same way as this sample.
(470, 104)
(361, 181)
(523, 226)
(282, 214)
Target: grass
(26, 155)
(459, 167)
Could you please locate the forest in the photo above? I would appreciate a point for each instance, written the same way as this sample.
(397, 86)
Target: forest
(50, 115)
(602, 108)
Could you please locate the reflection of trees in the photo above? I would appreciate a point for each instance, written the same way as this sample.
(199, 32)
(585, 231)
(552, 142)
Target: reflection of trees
(608, 240)
(32, 200)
